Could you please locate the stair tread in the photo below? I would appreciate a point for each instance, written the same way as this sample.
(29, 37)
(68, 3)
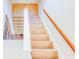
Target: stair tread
(42, 44)
(37, 30)
(18, 23)
(18, 27)
(39, 36)
(35, 22)
(38, 39)
(33, 26)
(36, 26)
(44, 54)
(17, 20)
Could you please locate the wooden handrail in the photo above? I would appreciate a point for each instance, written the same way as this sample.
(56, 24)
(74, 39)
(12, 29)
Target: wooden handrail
(60, 31)
(8, 25)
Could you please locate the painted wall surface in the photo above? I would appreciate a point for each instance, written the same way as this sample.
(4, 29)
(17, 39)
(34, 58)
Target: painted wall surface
(62, 11)
(13, 49)
(24, 1)
(63, 49)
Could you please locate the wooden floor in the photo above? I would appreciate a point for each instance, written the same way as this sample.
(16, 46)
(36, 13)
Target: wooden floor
(42, 47)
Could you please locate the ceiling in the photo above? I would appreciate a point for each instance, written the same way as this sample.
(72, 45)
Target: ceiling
(23, 1)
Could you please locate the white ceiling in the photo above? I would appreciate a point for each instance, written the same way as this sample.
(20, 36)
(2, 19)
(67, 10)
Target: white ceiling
(23, 1)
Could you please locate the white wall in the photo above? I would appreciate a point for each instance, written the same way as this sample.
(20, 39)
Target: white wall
(13, 49)
(25, 1)
(63, 49)
(62, 11)
(7, 11)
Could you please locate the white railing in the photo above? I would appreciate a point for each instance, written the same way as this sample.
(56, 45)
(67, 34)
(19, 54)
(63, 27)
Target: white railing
(26, 39)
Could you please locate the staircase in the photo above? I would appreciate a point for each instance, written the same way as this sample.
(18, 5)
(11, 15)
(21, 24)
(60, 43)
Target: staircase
(42, 47)
(18, 24)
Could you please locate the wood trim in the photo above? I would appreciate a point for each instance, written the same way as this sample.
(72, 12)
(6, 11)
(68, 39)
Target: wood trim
(60, 31)
(8, 25)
